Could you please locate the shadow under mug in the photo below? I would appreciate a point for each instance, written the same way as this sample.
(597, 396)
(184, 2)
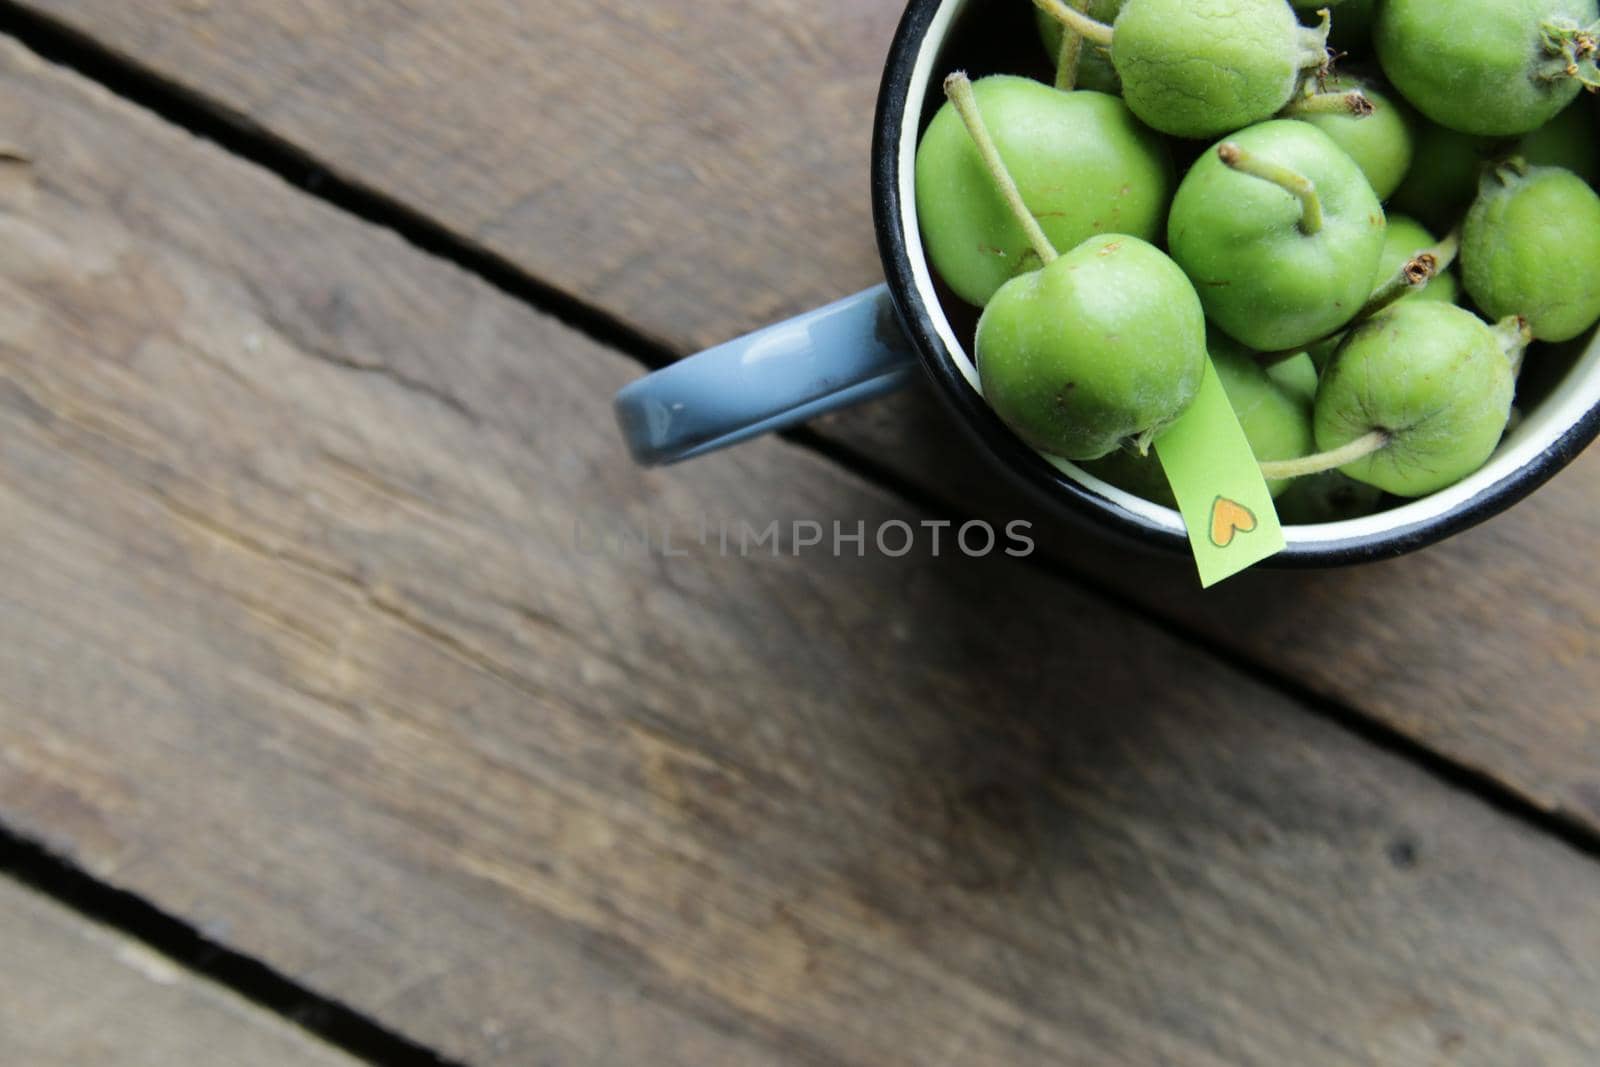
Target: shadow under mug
(874, 342)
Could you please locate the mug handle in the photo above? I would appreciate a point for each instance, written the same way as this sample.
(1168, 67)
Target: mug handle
(837, 356)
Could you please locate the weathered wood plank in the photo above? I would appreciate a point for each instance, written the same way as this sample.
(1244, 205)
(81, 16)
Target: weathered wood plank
(296, 642)
(1486, 648)
(611, 147)
(628, 120)
(698, 169)
(73, 993)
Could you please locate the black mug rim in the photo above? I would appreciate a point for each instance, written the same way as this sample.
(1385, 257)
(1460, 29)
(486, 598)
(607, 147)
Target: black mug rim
(894, 110)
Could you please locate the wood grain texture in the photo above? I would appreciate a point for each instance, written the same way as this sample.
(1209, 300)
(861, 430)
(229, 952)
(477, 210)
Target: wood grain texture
(698, 169)
(73, 993)
(625, 121)
(296, 641)
(1485, 648)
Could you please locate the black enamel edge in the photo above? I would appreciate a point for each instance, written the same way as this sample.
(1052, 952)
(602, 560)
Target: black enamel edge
(1049, 485)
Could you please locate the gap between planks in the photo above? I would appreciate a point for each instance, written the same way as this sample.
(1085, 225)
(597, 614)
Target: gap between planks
(34, 866)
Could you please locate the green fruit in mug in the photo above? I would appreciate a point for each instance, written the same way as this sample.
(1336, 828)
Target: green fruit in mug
(1280, 232)
(1430, 385)
(1082, 162)
(1444, 175)
(1489, 67)
(1321, 353)
(1102, 349)
(1095, 71)
(1531, 247)
(1143, 476)
(1405, 240)
(1379, 140)
(1201, 68)
(1298, 376)
(1569, 141)
(1327, 497)
(1276, 422)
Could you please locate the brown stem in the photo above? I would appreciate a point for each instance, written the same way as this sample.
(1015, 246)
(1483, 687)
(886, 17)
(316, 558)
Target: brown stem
(1414, 275)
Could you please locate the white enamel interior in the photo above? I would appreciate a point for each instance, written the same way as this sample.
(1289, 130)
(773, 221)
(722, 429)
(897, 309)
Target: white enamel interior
(1539, 431)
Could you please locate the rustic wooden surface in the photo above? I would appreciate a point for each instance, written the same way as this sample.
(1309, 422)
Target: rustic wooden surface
(73, 994)
(698, 169)
(295, 642)
(1485, 649)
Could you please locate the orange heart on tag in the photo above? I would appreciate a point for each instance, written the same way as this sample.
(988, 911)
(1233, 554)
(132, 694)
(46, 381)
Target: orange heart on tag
(1229, 519)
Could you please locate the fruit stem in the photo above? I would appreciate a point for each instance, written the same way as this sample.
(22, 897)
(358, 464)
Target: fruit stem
(1077, 22)
(1314, 42)
(1071, 57)
(1290, 181)
(1446, 251)
(1413, 275)
(1354, 103)
(1515, 335)
(1322, 462)
(958, 87)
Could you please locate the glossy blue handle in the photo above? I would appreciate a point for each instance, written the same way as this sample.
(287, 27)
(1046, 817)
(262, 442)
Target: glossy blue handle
(827, 359)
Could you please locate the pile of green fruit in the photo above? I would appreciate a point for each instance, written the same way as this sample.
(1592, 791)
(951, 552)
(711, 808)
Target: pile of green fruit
(1338, 330)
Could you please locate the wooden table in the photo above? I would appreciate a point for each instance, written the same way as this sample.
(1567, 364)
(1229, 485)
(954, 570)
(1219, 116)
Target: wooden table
(313, 712)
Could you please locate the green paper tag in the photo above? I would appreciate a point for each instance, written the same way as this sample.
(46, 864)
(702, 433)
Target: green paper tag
(1232, 522)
